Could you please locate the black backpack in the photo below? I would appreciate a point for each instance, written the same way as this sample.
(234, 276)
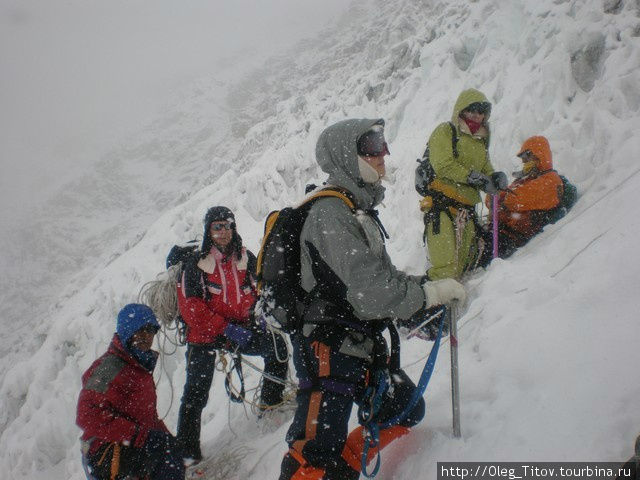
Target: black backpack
(567, 200)
(280, 295)
(424, 171)
(569, 193)
(181, 253)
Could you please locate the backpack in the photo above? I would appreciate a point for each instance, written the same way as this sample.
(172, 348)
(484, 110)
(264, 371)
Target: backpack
(569, 193)
(161, 294)
(425, 174)
(180, 253)
(567, 200)
(280, 295)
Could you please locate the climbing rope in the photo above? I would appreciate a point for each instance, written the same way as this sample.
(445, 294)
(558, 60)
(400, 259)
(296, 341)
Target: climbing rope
(371, 428)
(255, 404)
(162, 297)
(274, 332)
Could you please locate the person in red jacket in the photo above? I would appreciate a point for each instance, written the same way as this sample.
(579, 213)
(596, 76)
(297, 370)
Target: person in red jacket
(122, 434)
(526, 204)
(216, 295)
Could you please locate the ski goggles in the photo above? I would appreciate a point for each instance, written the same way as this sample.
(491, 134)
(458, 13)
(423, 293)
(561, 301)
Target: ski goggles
(372, 144)
(483, 108)
(222, 226)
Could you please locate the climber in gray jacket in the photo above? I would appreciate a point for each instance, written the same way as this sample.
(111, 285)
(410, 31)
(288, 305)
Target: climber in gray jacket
(354, 294)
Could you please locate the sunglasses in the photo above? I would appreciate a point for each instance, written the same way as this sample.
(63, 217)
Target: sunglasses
(483, 108)
(527, 156)
(222, 226)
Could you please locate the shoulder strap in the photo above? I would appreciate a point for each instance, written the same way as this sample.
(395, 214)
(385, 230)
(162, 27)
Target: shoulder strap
(193, 280)
(454, 140)
(251, 273)
(345, 195)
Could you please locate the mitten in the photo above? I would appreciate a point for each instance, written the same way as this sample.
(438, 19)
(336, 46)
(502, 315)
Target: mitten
(481, 181)
(499, 180)
(443, 291)
(237, 334)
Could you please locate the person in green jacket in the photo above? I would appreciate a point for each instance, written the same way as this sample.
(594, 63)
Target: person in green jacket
(459, 156)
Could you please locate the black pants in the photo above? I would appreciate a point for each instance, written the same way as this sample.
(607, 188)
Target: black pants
(329, 404)
(508, 242)
(137, 462)
(200, 367)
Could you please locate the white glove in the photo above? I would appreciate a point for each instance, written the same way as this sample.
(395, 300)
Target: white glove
(441, 292)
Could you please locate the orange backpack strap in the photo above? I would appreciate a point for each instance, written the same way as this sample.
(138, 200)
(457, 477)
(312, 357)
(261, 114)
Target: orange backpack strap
(345, 195)
(268, 225)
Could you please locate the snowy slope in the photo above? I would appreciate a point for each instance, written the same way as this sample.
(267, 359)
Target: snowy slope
(548, 339)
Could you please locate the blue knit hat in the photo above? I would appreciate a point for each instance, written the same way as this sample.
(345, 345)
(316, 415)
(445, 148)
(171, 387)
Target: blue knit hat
(132, 318)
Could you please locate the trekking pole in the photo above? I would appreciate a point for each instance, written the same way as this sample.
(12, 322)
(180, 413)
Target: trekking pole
(455, 385)
(494, 218)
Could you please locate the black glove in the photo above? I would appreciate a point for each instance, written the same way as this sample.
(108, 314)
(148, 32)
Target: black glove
(425, 323)
(159, 442)
(499, 180)
(481, 181)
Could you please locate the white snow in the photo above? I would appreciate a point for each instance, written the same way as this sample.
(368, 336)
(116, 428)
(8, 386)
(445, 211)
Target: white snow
(548, 338)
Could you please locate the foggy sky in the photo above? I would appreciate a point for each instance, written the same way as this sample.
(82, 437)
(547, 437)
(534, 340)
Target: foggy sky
(77, 75)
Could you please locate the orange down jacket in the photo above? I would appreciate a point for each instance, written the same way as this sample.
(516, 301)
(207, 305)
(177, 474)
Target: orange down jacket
(539, 191)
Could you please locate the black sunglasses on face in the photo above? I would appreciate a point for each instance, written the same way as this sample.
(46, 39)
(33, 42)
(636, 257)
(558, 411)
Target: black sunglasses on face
(483, 108)
(221, 226)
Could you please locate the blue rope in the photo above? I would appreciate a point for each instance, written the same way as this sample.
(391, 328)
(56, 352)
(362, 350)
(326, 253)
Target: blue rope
(372, 431)
(372, 437)
(375, 393)
(424, 378)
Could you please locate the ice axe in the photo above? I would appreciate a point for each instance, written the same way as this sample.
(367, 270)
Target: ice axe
(495, 199)
(452, 311)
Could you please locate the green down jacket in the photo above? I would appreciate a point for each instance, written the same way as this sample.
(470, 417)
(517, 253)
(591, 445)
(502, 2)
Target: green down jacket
(450, 172)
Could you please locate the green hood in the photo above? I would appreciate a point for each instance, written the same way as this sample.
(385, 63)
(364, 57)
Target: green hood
(337, 156)
(465, 99)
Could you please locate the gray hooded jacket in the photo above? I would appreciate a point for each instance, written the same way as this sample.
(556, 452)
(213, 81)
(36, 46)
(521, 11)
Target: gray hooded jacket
(344, 251)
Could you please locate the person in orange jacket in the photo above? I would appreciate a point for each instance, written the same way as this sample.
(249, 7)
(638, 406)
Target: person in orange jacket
(526, 206)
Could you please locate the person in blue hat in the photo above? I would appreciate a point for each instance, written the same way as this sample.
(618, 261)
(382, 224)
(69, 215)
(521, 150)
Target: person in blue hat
(123, 437)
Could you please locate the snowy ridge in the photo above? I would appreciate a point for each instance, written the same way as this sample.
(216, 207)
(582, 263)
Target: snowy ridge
(548, 341)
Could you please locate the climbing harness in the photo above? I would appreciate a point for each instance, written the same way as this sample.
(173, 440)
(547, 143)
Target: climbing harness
(237, 367)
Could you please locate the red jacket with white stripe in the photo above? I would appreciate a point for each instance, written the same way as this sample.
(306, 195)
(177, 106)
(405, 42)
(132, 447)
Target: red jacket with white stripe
(117, 402)
(214, 291)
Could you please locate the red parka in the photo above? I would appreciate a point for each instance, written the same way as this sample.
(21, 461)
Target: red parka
(117, 402)
(214, 291)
